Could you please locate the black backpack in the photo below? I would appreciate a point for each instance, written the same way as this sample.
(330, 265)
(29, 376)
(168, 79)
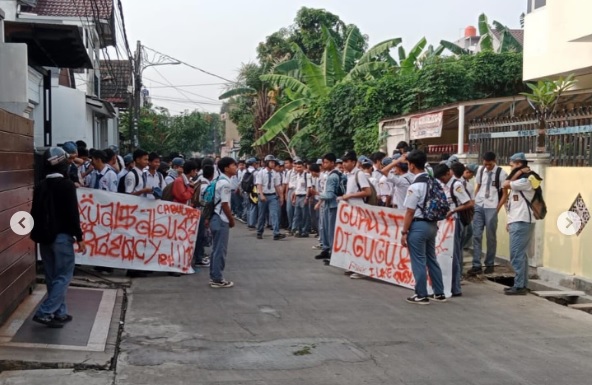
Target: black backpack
(465, 216)
(248, 182)
(342, 186)
(43, 212)
(121, 183)
(537, 205)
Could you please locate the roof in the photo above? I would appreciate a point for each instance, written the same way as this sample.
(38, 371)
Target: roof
(72, 8)
(116, 77)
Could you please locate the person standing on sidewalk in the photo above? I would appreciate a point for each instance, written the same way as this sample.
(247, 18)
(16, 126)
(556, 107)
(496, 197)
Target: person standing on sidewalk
(221, 223)
(328, 205)
(270, 198)
(419, 234)
(521, 219)
(57, 227)
(490, 197)
(301, 223)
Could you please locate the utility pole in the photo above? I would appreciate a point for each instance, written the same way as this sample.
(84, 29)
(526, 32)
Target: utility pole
(137, 95)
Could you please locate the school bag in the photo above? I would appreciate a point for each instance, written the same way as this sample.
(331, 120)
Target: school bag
(248, 182)
(208, 203)
(537, 204)
(167, 192)
(196, 199)
(498, 172)
(121, 183)
(371, 200)
(342, 185)
(435, 204)
(465, 216)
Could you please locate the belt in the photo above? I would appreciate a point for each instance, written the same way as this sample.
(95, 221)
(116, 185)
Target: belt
(423, 220)
(301, 195)
(270, 194)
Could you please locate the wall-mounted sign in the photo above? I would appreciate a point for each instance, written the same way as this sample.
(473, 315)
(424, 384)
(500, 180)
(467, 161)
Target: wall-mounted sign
(426, 126)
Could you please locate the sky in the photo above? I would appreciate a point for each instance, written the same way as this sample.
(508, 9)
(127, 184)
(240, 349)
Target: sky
(218, 36)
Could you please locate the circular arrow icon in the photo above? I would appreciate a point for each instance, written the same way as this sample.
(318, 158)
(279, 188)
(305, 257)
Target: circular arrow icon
(569, 223)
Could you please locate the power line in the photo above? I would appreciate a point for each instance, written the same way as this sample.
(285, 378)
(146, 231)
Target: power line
(170, 85)
(191, 66)
(187, 101)
(166, 80)
(188, 85)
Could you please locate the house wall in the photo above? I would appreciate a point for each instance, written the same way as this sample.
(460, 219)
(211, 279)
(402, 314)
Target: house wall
(17, 252)
(72, 120)
(549, 34)
(13, 78)
(36, 97)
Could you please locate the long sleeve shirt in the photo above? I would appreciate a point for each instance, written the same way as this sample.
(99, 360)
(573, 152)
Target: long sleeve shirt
(182, 191)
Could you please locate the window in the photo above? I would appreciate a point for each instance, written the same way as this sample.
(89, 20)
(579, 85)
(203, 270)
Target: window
(534, 4)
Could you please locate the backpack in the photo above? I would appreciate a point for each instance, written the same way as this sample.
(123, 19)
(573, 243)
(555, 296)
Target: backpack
(371, 200)
(435, 205)
(496, 181)
(121, 183)
(537, 204)
(167, 192)
(43, 212)
(196, 199)
(248, 182)
(342, 185)
(209, 206)
(465, 216)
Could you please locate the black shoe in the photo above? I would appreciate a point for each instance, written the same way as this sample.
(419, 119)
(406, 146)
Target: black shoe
(302, 236)
(279, 237)
(508, 288)
(327, 262)
(259, 236)
(175, 274)
(64, 318)
(457, 294)
(418, 300)
(488, 270)
(438, 298)
(323, 255)
(516, 291)
(474, 271)
(49, 322)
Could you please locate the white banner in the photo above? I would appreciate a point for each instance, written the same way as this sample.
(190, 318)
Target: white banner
(368, 241)
(426, 126)
(129, 232)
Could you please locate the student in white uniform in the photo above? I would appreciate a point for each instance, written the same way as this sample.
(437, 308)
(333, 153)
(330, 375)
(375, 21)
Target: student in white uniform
(270, 198)
(490, 197)
(358, 185)
(154, 179)
(458, 200)
(135, 180)
(419, 235)
(301, 224)
(522, 183)
(103, 177)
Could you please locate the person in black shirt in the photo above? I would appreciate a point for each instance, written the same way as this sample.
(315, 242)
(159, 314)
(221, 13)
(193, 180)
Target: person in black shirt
(56, 228)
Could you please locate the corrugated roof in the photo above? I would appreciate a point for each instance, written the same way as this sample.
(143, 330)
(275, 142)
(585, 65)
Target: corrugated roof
(116, 77)
(72, 8)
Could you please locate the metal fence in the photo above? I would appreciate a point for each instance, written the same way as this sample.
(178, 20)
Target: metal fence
(568, 140)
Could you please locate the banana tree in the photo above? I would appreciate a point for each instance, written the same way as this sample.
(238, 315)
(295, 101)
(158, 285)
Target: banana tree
(543, 99)
(305, 82)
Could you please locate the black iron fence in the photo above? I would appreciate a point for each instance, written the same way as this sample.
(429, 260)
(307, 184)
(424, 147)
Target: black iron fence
(568, 140)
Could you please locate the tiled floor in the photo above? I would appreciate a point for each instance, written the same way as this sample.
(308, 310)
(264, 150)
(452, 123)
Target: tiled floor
(91, 309)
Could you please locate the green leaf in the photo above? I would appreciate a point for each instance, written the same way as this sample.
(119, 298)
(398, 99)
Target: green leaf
(242, 91)
(288, 67)
(454, 48)
(367, 70)
(281, 120)
(402, 54)
(350, 51)
(379, 49)
(409, 63)
(331, 63)
(486, 41)
(312, 74)
(285, 81)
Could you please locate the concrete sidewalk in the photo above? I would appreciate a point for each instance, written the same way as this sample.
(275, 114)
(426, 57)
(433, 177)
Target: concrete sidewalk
(292, 320)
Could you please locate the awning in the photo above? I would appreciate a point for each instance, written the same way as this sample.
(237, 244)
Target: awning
(51, 45)
(101, 107)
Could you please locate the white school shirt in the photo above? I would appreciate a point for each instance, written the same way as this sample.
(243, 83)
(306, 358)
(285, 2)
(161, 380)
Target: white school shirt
(518, 210)
(384, 188)
(493, 200)
(416, 196)
(352, 184)
(303, 183)
(130, 181)
(470, 184)
(222, 195)
(460, 194)
(108, 181)
(234, 182)
(156, 180)
(263, 179)
(401, 184)
(290, 179)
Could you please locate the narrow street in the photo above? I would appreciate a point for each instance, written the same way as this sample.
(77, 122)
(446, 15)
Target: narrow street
(291, 320)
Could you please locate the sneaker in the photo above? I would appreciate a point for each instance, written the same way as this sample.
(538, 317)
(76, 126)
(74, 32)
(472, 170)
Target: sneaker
(251, 228)
(295, 234)
(438, 298)
(63, 318)
(357, 276)
(279, 237)
(206, 260)
(348, 272)
(474, 271)
(488, 270)
(327, 262)
(317, 247)
(221, 284)
(516, 291)
(457, 294)
(241, 220)
(203, 263)
(323, 255)
(259, 236)
(302, 236)
(418, 300)
(50, 322)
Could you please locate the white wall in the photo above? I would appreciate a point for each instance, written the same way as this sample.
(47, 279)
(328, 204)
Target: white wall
(548, 35)
(71, 119)
(9, 8)
(13, 78)
(36, 97)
